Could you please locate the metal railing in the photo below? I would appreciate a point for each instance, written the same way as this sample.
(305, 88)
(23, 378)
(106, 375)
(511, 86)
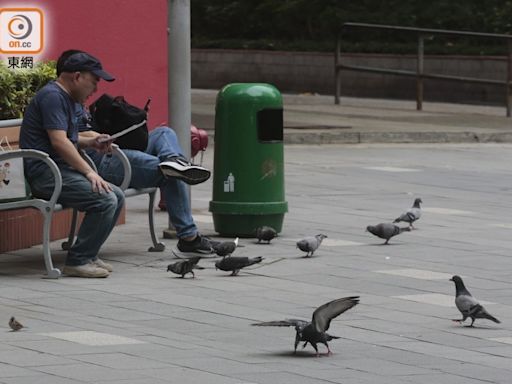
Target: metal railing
(420, 73)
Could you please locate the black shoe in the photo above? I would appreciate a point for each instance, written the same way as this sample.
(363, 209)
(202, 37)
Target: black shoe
(182, 169)
(201, 244)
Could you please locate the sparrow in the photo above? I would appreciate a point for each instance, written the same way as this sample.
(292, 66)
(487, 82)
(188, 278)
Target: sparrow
(15, 324)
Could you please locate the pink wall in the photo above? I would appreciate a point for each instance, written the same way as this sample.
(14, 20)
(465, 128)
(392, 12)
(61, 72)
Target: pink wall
(128, 36)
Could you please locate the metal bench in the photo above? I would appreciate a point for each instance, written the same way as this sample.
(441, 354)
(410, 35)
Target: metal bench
(48, 207)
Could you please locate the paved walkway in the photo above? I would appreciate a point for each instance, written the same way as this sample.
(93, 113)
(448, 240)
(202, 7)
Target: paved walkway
(143, 325)
(315, 119)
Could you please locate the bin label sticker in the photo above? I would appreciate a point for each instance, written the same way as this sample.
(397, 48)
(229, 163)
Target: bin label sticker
(229, 183)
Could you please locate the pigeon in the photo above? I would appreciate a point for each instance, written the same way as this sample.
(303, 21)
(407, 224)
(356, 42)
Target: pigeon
(225, 248)
(386, 230)
(185, 266)
(15, 324)
(265, 233)
(236, 263)
(310, 244)
(468, 305)
(314, 332)
(412, 214)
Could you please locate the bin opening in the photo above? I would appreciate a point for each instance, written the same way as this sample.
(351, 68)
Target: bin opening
(270, 125)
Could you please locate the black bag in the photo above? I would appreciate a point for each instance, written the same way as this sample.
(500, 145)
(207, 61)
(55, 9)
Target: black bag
(113, 114)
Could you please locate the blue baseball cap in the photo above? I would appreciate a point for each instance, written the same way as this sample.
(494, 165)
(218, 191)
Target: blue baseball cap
(84, 62)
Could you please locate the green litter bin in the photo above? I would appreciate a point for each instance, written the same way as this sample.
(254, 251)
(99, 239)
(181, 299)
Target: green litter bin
(248, 168)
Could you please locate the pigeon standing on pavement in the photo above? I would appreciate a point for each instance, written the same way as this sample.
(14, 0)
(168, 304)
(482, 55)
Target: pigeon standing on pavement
(15, 324)
(386, 230)
(265, 233)
(310, 244)
(468, 305)
(185, 266)
(236, 263)
(225, 248)
(314, 332)
(412, 214)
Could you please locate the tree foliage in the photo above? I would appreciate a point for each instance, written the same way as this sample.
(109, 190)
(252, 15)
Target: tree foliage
(316, 23)
(18, 86)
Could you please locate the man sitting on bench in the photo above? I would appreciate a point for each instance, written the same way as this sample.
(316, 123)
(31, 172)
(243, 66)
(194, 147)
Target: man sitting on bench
(50, 125)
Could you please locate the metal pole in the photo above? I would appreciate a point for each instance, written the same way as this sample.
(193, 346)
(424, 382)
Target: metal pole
(179, 98)
(179, 75)
(337, 72)
(419, 71)
(509, 76)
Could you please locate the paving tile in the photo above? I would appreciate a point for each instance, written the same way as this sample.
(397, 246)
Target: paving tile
(10, 370)
(24, 358)
(120, 361)
(92, 338)
(435, 299)
(447, 211)
(393, 169)
(41, 378)
(417, 274)
(89, 373)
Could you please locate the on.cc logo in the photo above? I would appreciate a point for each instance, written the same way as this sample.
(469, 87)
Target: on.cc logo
(21, 30)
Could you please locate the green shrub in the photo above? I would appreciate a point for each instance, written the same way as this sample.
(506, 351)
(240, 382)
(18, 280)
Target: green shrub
(18, 86)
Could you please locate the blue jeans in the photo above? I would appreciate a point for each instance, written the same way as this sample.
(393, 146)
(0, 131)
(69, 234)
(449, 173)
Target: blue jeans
(101, 211)
(162, 143)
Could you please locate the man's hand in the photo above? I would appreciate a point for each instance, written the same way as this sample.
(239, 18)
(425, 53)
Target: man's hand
(98, 184)
(100, 144)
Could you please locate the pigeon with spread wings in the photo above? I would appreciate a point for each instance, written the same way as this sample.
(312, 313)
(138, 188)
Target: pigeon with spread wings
(315, 331)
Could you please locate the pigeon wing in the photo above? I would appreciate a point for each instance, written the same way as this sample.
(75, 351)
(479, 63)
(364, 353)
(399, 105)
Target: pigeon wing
(325, 313)
(414, 213)
(177, 267)
(307, 244)
(465, 302)
(231, 263)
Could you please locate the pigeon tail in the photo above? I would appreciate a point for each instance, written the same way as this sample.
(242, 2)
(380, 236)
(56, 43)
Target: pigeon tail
(483, 314)
(492, 318)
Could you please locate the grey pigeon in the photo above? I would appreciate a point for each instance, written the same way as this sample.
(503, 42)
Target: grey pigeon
(236, 263)
(468, 305)
(314, 332)
(265, 233)
(310, 244)
(185, 266)
(386, 230)
(14, 324)
(412, 214)
(225, 248)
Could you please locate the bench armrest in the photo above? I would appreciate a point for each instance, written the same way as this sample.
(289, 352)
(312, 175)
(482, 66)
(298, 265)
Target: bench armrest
(32, 153)
(116, 151)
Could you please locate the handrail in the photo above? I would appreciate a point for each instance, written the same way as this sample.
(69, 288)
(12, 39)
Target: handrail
(10, 123)
(419, 73)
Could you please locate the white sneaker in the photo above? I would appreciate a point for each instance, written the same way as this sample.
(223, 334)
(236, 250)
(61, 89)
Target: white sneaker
(100, 263)
(181, 169)
(86, 270)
